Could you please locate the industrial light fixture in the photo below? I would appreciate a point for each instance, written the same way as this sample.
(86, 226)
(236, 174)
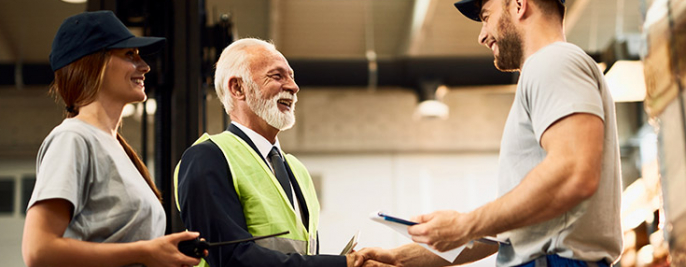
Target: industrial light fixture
(627, 81)
(136, 109)
(432, 109)
(150, 106)
(75, 1)
(128, 110)
(431, 96)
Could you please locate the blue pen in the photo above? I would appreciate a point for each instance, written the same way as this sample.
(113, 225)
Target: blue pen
(396, 219)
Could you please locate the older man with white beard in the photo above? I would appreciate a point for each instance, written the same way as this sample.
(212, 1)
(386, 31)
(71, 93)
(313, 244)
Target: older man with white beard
(238, 184)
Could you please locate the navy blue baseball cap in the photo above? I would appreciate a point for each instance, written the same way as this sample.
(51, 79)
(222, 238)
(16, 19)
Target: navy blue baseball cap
(472, 8)
(86, 33)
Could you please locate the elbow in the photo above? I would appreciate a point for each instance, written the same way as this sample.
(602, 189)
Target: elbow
(30, 262)
(34, 255)
(28, 252)
(31, 258)
(586, 184)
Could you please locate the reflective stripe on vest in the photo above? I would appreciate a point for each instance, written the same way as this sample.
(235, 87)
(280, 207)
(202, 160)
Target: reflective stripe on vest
(266, 208)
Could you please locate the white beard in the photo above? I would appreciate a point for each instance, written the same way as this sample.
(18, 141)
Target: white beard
(268, 110)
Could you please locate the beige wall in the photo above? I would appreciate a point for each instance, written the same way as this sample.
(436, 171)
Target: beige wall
(330, 120)
(337, 120)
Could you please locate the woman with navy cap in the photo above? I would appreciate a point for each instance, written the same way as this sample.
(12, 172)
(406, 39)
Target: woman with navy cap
(94, 203)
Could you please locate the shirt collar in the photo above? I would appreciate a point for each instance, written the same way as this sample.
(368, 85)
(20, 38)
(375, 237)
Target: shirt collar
(262, 144)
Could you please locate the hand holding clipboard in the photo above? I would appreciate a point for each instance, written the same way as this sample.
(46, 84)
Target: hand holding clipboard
(486, 239)
(400, 226)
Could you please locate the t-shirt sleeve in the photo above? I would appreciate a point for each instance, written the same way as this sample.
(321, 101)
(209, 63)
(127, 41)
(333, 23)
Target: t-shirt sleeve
(559, 84)
(62, 170)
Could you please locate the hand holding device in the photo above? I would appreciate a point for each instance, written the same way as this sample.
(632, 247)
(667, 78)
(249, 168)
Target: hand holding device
(196, 247)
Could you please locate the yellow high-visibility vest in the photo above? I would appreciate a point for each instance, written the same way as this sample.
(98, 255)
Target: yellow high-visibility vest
(266, 207)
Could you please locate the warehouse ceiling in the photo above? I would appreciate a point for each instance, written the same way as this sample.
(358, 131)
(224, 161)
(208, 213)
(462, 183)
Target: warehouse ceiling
(332, 29)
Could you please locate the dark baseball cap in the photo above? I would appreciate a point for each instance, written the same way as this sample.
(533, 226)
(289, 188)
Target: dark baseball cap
(86, 33)
(472, 8)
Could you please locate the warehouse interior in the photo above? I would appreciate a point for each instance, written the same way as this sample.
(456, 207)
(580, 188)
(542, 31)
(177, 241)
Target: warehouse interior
(367, 70)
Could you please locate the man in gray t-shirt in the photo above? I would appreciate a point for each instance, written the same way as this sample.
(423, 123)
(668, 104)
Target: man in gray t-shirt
(559, 172)
(558, 83)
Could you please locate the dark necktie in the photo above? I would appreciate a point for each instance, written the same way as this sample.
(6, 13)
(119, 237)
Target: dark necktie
(280, 172)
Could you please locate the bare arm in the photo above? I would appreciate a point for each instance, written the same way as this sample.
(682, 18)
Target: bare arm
(412, 254)
(568, 175)
(43, 244)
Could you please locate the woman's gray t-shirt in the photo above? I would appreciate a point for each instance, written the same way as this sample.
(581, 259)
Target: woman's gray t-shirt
(88, 167)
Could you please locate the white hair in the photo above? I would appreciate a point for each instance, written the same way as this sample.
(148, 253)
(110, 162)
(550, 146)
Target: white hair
(235, 62)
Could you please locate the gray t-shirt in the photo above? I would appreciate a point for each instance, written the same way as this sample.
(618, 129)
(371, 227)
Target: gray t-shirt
(88, 167)
(557, 81)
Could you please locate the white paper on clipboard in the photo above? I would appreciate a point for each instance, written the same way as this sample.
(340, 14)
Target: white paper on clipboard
(449, 255)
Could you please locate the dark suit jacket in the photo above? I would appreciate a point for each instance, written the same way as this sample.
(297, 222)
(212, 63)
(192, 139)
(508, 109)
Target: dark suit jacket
(209, 204)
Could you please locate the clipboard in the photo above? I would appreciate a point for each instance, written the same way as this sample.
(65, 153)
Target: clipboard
(400, 225)
(485, 239)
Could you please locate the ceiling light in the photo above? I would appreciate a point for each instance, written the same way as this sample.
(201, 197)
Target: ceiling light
(150, 106)
(129, 109)
(430, 96)
(432, 109)
(627, 81)
(75, 1)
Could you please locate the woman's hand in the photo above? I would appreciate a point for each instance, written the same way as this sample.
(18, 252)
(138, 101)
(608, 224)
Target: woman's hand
(164, 251)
